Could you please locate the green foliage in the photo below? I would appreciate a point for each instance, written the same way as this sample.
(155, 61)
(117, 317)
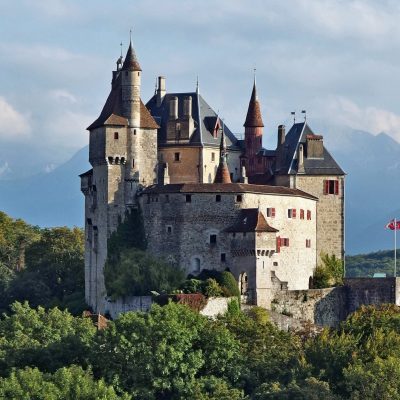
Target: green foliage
(229, 284)
(212, 288)
(330, 273)
(46, 339)
(72, 383)
(136, 273)
(161, 354)
(233, 308)
(310, 389)
(129, 234)
(365, 265)
(192, 286)
(212, 388)
(225, 280)
(259, 315)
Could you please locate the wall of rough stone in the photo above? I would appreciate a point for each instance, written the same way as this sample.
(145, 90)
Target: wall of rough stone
(330, 212)
(216, 306)
(132, 303)
(324, 307)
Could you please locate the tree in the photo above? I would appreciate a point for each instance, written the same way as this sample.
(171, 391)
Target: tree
(45, 339)
(136, 273)
(162, 353)
(72, 383)
(330, 273)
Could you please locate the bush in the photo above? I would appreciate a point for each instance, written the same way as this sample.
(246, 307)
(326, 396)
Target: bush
(330, 273)
(212, 288)
(136, 273)
(225, 279)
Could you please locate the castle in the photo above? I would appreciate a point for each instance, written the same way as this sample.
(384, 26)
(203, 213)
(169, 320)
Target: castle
(209, 200)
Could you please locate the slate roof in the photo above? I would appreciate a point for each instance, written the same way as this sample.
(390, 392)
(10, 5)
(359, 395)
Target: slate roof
(251, 220)
(111, 114)
(253, 117)
(226, 188)
(205, 119)
(322, 166)
(131, 62)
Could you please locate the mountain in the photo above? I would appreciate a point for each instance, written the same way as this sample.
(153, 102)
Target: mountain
(372, 164)
(48, 199)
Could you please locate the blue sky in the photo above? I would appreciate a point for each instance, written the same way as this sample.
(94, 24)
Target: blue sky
(339, 60)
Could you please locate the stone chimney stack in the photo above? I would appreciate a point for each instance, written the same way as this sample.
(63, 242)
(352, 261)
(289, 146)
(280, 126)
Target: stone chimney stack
(161, 90)
(243, 177)
(173, 108)
(281, 134)
(187, 106)
(300, 157)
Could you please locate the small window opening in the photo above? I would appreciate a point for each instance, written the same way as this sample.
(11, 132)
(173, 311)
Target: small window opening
(213, 239)
(218, 198)
(115, 135)
(177, 156)
(223, 257)
(238, 198)
(188, 198)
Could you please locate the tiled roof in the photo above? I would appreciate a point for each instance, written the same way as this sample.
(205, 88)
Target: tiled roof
(131, 62)
(251, 220)
(204, 121)
(226, 188)
(222, 175)
(325, 165)
(112, 110)
(253, 118)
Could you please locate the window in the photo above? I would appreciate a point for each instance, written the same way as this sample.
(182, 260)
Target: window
(213, 157)
(115, 135)
(301, 214)
(284, 242)
(234, 234)
(177, 156)
(308, 243)
(134, 131)
(291, 213)
(188, 198)
(308, 215)
(218, 198)
(271, 212)
(169, 229)
(223, 257)
(275, 263)
(238, 198)
(133, 163)
(331, 186)
(213, 239)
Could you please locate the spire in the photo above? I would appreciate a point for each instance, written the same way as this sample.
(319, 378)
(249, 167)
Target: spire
(222, 175)
(253, 118)
(197, 85)
(131, 62)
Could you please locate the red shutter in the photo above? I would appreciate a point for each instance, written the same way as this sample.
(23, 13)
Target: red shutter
(287, 242)
(326, 186)
(336, 187)
(294, 213)
(308, 215)
(273, 212)
(301, 214)
(278, 244)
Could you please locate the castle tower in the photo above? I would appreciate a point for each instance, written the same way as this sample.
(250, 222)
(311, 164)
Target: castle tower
(123, 154)
(253, 132)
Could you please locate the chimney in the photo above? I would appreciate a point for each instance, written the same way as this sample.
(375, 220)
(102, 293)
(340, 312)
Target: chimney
(300, 168)
(173, 108)
(281, 134)
(161, 90)
(187, 106)
(166, 179)
(315, 146)
(243, 177)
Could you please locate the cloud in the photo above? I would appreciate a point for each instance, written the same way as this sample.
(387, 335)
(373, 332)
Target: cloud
(13, 124)
(4, 169)
(63, 95)
(370, 119)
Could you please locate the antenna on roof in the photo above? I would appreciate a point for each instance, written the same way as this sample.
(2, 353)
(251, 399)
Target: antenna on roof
(121, 48)
(305, 114)
(197, 85)
(294, 116)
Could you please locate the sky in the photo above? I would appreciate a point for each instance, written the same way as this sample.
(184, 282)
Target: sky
(338, 60)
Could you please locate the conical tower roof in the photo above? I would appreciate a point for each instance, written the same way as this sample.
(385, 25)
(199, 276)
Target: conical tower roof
(222, 175)
(131, 62)
(253, 118)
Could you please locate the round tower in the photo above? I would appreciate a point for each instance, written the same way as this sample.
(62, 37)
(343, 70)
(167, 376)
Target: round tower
(130, 80)
(253, 132)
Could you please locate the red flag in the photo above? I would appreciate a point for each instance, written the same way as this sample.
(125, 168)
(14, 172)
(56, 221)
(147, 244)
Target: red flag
(392, 226)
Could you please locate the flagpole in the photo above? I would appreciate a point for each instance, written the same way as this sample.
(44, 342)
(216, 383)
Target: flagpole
(395, 247)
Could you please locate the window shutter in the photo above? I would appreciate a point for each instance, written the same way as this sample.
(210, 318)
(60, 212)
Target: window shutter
(287, 242)
(336, 187)
(294, 213)
(278, 244)
(273, 212)
(326, 186)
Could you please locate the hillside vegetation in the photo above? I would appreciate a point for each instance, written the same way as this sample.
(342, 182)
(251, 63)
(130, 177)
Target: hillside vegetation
(365, 265)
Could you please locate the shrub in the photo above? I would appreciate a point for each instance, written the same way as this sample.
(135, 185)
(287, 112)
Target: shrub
(330, 273)
(212, 288)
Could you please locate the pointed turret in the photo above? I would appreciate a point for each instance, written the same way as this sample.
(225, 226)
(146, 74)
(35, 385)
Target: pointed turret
(222, 175)
(131, 62)
(253, 118)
